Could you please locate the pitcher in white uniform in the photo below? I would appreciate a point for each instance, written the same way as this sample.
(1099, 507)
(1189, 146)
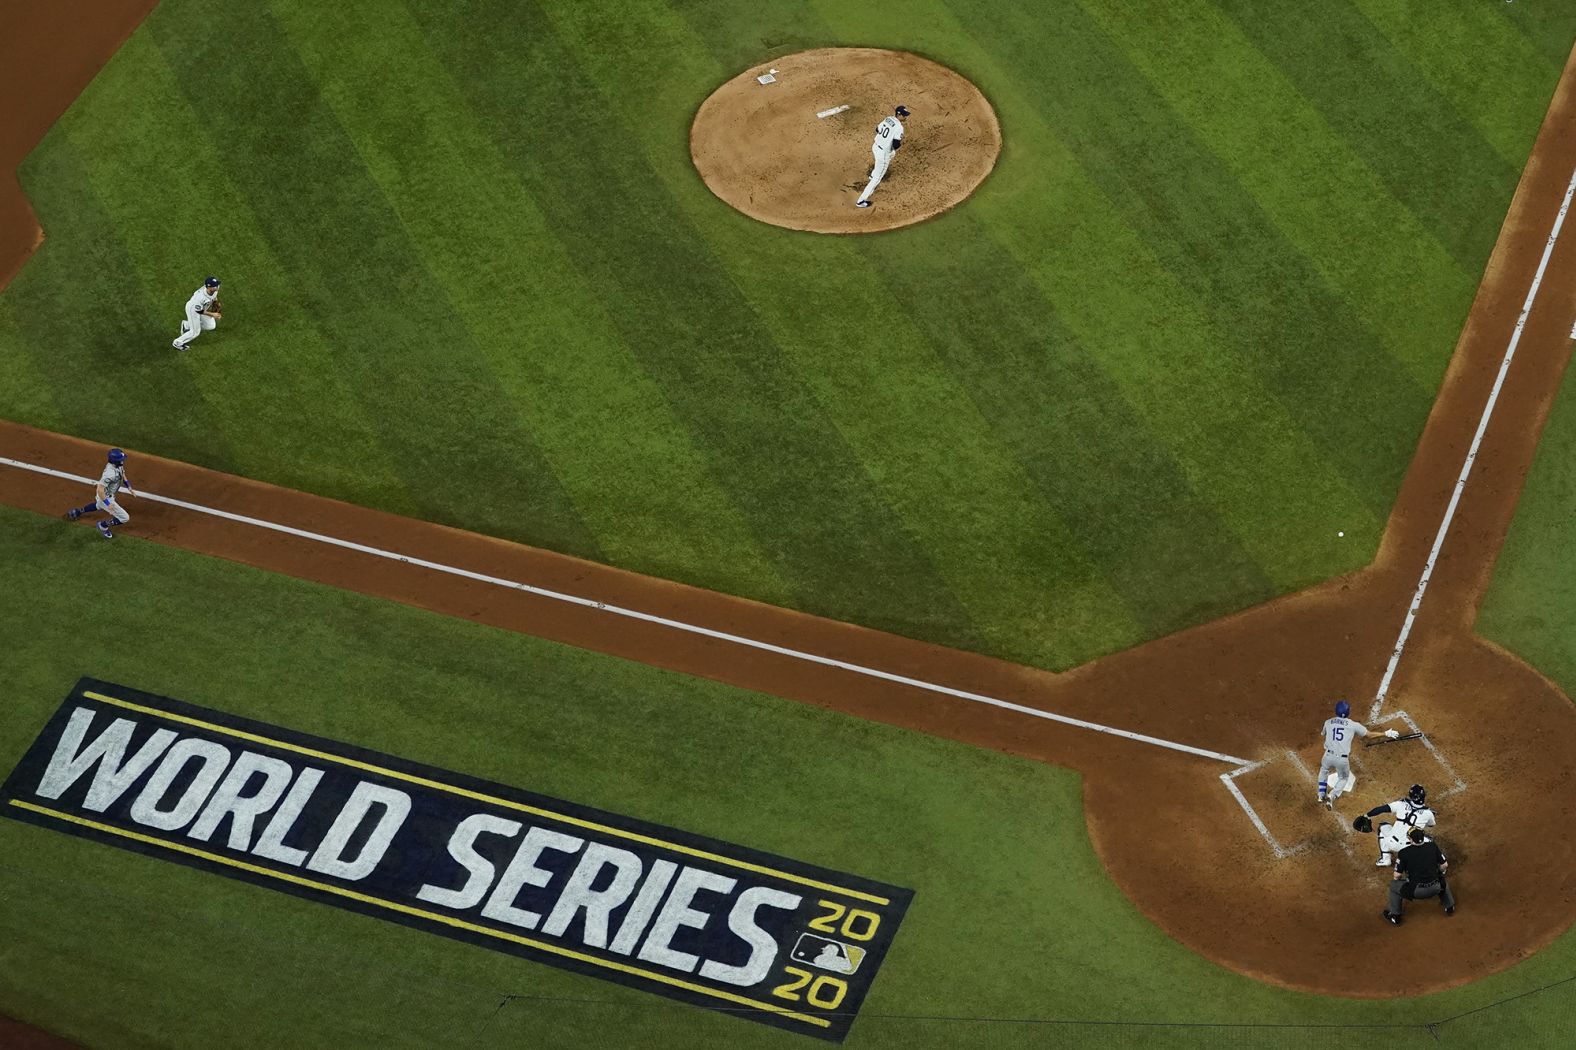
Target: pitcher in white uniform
(889, 137)
(1340, 733)
(202, 313)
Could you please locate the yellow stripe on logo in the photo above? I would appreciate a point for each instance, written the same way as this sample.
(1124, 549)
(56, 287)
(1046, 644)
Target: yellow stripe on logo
(411, 778)
(420, 913)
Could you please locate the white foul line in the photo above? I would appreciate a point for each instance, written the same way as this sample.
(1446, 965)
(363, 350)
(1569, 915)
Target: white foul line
(1466, 467)
(678, 625)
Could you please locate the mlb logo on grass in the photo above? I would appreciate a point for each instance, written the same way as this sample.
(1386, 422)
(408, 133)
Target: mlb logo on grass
(828, 954)
(698, 920)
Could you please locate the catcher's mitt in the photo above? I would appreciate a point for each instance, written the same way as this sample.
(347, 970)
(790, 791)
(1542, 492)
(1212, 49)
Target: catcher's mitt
(1363, 824)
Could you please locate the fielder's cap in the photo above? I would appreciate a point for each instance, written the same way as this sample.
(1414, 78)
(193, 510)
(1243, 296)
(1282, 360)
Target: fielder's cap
(902, 111)
(211, 282)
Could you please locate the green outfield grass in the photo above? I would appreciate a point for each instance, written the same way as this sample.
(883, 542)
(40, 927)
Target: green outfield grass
(1013, 918)
(1186, 332)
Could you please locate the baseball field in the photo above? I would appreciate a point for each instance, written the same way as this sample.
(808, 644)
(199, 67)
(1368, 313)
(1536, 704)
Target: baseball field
(982, 581)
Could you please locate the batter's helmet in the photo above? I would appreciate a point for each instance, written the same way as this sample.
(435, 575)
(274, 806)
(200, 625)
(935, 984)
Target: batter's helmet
(1342, 709)
(116, 456)
(212, 282)
(1416, 795)
(902, 111)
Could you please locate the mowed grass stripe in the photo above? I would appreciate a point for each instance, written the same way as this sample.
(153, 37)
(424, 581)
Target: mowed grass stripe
(1346, 204)
(1550, 26)
(28, 391)
(1270, 311)
(605, 428)
(1427, 154)
(924, 442)
(1153, 340)
(84, 310)
(465, 453)
(1475, 56)
(1089, 452)
(835, 543)
(177, 230)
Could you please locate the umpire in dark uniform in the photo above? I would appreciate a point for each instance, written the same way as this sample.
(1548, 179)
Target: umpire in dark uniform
(1419, 875)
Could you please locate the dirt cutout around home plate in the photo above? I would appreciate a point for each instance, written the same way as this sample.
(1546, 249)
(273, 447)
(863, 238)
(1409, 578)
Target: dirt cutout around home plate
(796, 151)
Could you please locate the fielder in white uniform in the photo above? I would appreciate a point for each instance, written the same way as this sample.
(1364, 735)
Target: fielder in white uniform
(1340, 733)
(1410, 812)
(889, 137)
(202, 313)
(110, 482)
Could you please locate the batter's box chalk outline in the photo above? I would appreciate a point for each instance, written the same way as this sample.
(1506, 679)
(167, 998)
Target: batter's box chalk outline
(1458, 785)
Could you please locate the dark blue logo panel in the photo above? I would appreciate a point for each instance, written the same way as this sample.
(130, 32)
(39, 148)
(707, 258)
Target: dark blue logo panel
(694, 919)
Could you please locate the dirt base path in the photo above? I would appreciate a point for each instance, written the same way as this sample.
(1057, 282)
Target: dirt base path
(1296, 903)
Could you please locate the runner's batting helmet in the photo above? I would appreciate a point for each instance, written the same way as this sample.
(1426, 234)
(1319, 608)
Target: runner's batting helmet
(116, 456)
(1342, 709)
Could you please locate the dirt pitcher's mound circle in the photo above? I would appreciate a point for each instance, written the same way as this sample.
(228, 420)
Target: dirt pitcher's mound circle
(776, 153)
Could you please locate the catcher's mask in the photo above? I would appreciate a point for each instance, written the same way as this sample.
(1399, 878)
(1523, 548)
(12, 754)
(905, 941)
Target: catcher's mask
(1416, 795)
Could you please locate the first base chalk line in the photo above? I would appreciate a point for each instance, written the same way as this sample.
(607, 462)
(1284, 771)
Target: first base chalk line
(1472, 452)
(634, 614)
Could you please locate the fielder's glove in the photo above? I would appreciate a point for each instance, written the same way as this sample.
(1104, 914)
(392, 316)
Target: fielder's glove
(1363, 824)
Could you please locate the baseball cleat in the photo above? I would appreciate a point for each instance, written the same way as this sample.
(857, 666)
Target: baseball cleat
(176, 344)
(73, 514)
(104, 531)
(1393, 920)
(1450, 910)
(861, 204)
(1383, 861)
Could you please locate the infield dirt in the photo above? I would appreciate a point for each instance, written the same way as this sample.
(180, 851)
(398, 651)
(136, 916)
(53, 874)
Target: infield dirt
(1256, 684)
(766, 150)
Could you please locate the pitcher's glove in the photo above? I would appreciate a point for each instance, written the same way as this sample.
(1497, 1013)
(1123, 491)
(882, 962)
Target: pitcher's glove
(1363, 824)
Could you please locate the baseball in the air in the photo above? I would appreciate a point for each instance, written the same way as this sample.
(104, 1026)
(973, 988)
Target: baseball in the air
(1340, 534)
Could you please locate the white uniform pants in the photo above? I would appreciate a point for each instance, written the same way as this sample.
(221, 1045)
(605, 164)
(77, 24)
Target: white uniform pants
(114, 509)
(1392, 837)
(196, 324)
(883, 155)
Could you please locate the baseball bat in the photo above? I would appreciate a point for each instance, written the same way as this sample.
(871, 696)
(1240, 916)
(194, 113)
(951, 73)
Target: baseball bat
(1387, 740)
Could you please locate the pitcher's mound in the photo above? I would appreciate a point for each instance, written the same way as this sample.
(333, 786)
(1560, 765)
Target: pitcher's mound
(763, 149)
